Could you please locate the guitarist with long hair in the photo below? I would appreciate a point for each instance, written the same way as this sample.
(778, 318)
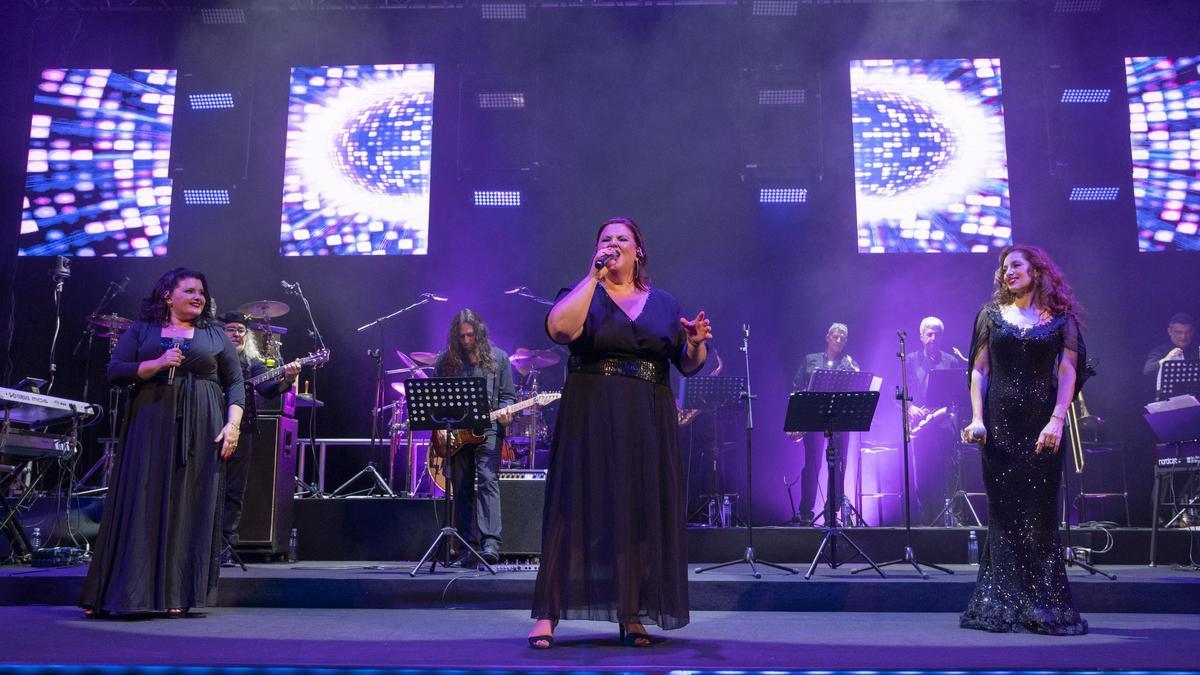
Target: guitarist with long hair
(476, 487)
(236, 471)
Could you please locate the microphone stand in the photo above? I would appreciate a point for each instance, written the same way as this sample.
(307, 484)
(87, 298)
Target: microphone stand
(315, 334)
(748, 557)
(60, 274)
(524, 292)
(378, 401)
(905, 398)
(89, 331)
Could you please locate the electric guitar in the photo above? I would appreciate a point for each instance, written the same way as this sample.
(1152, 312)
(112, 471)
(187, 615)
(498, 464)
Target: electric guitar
(314, 359)
(459, 438)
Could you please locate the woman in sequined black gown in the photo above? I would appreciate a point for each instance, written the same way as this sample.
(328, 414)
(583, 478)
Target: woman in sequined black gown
(1026, 351)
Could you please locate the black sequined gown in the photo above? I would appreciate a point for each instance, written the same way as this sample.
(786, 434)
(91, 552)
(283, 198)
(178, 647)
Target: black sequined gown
(1022, 584)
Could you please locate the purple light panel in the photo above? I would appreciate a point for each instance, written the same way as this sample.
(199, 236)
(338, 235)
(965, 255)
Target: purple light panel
(1164, 135)
(930, 168)
(96, 178)
(357, 172)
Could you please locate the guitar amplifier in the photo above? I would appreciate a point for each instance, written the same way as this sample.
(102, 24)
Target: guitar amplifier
(267, 512)
(521, 496)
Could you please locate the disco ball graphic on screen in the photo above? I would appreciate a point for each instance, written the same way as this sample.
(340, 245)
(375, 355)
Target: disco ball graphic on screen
(914, 148)
(930, 169)
(379, 150)
(356, 178)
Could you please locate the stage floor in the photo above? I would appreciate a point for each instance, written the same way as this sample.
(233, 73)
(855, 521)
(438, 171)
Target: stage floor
(495, 640)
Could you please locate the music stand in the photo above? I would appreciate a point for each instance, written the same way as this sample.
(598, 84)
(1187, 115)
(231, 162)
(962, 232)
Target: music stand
(1178, 377)
(714, 395)
(447, 403)
(946, 390)
(826, 379)
(827, 412)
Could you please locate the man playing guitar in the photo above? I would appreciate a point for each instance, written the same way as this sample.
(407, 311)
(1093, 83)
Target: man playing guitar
(476, 486)
(932, 431)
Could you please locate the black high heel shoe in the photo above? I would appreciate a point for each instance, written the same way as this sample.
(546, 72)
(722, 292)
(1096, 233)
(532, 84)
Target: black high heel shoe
(543, 641)
(631, 639)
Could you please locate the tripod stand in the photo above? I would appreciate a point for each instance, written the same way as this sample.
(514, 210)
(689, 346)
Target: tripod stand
(748, 557)
(945, 392)
(1076, 443)
(713, 395)
(905, 399)
(827, 412)
(446, 404)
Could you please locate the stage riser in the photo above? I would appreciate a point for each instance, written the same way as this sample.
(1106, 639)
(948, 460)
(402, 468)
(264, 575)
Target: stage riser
(402, 529)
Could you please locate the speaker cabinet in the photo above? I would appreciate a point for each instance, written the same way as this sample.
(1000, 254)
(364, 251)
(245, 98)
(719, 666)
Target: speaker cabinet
(267, 513)
(521, 497)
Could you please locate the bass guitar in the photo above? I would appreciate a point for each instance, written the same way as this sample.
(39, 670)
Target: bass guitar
(460, 438)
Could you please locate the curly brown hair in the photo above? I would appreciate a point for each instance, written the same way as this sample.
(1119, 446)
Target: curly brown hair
(456, 356)
(1051, 291)
(641, 278)
(154, 306)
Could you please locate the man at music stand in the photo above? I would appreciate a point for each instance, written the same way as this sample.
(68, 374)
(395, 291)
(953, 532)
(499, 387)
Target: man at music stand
(833, 358)
(476, 484)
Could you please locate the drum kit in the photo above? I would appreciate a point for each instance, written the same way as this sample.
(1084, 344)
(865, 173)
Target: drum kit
(528, 432)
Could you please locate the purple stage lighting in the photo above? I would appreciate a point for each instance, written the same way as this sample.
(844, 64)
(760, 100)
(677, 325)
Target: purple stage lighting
(359, 147)
(1094, 194)
(1164, 132)
(930, 168)
(782, 195)
(214, 101)
(497, 198)
(205, 196)
(96, 181)
(1085, 96)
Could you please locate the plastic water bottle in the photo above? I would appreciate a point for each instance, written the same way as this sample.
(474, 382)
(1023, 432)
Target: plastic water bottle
(948, 519)
(292, 542)
(726, 512)
(35, 540)
(972, 548)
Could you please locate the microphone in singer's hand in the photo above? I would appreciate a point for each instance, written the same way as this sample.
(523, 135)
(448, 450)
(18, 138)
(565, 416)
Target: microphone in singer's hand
(171, 371)
(603, 260)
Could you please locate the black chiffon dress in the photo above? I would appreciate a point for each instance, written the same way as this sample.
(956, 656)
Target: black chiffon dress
(1022, 584)
(157, 545)
(613, 532)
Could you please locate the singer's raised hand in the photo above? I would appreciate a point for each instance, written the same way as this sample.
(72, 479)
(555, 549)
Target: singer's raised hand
(698, 329)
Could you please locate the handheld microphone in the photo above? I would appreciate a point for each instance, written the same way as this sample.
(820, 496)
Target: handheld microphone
(175, 342)
(431, 296)
(603, 260)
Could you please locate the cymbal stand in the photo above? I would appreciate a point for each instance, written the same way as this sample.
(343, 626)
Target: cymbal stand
(116, 396)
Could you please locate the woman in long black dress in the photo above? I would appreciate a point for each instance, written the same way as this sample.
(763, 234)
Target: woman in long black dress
(156, 550)
(613, 532)
(1026, 354)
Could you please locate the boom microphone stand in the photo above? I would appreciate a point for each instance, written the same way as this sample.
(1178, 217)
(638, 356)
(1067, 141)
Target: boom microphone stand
(293, 288)
(748, 557)
(905, 398)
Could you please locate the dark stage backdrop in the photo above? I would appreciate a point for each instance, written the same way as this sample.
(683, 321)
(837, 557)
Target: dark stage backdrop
(641, 112)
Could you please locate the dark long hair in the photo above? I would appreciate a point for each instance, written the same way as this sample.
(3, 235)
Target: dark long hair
(1051, 291)
(641, 277)
(154, 306)
(456, 356)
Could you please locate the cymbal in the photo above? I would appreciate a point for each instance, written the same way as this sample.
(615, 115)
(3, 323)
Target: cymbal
(110, 321)
(110, 335)
(418, 372)
(532, 359)
(398, 387)
(264, 309)
(425, 358)
(407, 361)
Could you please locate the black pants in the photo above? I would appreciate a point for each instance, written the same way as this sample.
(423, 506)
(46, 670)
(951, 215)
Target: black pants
(477, 493)
(814, 459)
(236, 473)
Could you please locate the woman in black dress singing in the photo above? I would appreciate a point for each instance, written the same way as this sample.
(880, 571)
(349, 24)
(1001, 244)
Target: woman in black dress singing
(1028, 362)
(156, 552)
(613, 533)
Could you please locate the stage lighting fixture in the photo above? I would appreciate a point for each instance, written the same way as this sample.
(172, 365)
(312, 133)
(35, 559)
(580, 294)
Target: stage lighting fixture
(222, 16)
(214, 101)
(1073, 6)
(502, 11)
(781, 96)
(782, 195)
(497, 100)
(775, 8)
(1094, 194)
(1085, 95)
(206, 196)
(497, 198)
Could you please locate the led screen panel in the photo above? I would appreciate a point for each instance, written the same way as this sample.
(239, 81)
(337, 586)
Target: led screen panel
(357, 172)
(96, 178)
(930, 169)
(1164, 135)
